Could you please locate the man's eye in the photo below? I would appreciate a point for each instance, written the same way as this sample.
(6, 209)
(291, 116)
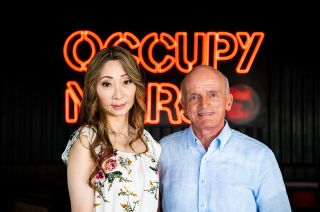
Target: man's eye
(193, 98)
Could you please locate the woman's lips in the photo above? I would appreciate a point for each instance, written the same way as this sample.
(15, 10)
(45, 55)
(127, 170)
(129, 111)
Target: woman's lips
(118, 107)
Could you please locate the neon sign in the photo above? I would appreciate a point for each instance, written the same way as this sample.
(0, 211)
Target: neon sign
(208, 48)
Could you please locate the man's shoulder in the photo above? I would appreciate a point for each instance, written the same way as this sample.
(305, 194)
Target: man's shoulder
(249, 147)
(173, 137)
(248, 141)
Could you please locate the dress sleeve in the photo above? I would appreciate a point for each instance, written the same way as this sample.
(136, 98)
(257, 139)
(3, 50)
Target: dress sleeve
(153, 144)
(87, 131)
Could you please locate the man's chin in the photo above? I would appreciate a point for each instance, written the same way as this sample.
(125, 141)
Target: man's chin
(206, 123)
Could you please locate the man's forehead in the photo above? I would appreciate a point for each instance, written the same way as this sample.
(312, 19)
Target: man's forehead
(207, 85)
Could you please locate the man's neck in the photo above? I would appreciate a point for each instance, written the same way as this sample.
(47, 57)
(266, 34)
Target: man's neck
(207, 135)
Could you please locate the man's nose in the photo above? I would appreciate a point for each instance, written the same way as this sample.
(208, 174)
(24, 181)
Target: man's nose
(205, 101)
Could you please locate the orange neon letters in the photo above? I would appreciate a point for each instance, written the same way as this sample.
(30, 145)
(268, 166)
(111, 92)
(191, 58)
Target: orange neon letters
(71, 93)
(214, 46)
(158, 53)
(175, 115)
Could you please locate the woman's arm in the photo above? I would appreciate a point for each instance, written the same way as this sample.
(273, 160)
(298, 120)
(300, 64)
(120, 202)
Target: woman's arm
(80, 166)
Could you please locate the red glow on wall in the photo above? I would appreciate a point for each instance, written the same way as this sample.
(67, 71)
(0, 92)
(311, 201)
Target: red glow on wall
(246, 104)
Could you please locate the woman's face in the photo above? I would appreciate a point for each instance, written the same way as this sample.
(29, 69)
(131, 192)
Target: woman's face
(115, 89)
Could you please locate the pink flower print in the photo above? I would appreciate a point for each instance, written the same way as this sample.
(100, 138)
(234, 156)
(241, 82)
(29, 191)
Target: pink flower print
(110, 164)
(100, 175)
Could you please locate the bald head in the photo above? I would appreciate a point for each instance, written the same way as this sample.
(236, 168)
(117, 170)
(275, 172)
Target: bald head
(202, 73)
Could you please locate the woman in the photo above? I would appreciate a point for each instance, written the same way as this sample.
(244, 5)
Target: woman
(111, 160)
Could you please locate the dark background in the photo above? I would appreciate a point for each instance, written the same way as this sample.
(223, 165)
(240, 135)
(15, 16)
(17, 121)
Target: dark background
(33, 76)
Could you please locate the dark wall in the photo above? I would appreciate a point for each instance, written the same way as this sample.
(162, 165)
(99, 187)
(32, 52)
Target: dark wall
(33, 131)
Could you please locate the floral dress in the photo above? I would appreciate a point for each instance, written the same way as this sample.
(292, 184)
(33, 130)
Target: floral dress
(127, 181)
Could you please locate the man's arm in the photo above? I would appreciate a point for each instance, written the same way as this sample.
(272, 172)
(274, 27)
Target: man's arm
(272, 195)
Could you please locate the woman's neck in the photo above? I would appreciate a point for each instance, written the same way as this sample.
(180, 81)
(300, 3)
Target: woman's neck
(118, 124)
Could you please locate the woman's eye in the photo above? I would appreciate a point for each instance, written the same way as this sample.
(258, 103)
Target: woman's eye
(127, 82)
(106, 84)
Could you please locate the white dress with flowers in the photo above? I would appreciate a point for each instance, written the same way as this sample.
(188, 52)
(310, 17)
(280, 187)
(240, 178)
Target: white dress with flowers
(128, 181)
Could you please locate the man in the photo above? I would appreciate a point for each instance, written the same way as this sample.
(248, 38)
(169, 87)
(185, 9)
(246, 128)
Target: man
(211, 167)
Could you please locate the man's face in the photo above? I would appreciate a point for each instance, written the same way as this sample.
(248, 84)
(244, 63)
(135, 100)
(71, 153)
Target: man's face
(205, 99)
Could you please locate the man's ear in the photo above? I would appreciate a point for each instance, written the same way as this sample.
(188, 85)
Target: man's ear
(184, 113)
(184, 110)
(229, 102)
(181, 100)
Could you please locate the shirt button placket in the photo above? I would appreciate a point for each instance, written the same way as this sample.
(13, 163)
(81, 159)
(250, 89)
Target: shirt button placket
(202, 187)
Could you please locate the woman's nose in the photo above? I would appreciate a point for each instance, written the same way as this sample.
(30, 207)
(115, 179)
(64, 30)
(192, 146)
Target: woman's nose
(117, 92)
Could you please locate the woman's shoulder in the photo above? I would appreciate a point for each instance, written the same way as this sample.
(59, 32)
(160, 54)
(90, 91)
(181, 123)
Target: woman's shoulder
(152, 143)
(85, 130)
(149, 137)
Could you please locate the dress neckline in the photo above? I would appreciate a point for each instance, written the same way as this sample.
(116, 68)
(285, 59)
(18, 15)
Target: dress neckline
(135, 153)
